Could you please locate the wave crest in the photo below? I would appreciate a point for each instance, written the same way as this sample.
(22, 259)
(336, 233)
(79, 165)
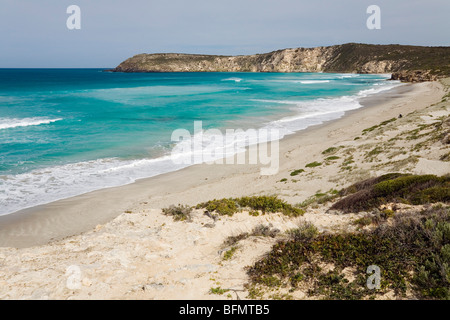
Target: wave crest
(8, 123)
(233, 79)
(314, 81)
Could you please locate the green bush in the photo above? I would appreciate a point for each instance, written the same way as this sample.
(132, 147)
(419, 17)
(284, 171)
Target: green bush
(313, 164)
(330, 150)
(297, 172)
(319, 198)
(305, 231)
(230, 253)
(414, 189)
(254, 213)
(412, 250)
(224, 207)
(271, 204)
(218, 291)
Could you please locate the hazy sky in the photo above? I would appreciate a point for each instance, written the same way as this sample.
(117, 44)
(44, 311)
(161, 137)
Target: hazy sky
(34, 33)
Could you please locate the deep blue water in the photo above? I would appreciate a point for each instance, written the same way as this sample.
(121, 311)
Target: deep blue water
(64, 132)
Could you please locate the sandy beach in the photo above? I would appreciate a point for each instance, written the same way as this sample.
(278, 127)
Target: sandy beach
(116, 243)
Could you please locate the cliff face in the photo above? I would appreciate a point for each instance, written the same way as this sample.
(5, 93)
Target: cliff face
(288, 60)
(409, 63)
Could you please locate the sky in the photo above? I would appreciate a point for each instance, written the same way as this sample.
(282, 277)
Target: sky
(34, 34)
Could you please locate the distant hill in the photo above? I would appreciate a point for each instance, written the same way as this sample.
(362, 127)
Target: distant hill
(408, 63)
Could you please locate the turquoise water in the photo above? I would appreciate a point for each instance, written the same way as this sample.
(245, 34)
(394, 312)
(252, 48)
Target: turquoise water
(64, 132)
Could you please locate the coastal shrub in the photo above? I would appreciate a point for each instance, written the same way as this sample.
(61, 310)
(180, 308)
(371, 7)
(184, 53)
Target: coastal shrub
(332, 158)
(388, 121)
(319, 198)
(348, 160)
(297, 172)
(264, 231)
(369, 129)
(254, 213)
(330, 150)
(313, 164)
(218, 291)
(375, 151)
(368, 183)
(414, 189)
(305, 231)
(271, 204)
(258, 231)
(230, 253)
(179, 213)
(362, 222)
(232, 240)
(413, 250)
(224, 207)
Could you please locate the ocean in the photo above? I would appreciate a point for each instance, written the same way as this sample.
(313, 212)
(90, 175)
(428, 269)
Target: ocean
(65, 132)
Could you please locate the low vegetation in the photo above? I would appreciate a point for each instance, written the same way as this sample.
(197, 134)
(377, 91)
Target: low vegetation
(259, 231)
(305, 231)
(230, 206)
(404, 188)
(412, 252)
(365, 131)
(218, 291)
(319, 198)
(179, 213)
(331, 150)
(313, 164)
(297, 172)
(229, 253)
(265, 204)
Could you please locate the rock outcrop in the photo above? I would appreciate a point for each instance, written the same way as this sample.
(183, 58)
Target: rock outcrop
(414, 76)
(407, 63)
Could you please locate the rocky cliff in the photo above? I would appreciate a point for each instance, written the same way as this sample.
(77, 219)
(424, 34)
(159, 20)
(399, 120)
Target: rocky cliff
(408, 63)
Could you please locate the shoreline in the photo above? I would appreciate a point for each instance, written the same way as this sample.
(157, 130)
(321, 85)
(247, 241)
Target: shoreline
(73, 216)
(48, 179)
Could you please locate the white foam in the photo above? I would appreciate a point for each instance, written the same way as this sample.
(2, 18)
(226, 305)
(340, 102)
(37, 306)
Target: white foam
(308, 113)
(42, 186)
(317, 111)
(292, 81)
(380, 87)
(8, 123)
(347, 75)
(233, 79)
(314, 81)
